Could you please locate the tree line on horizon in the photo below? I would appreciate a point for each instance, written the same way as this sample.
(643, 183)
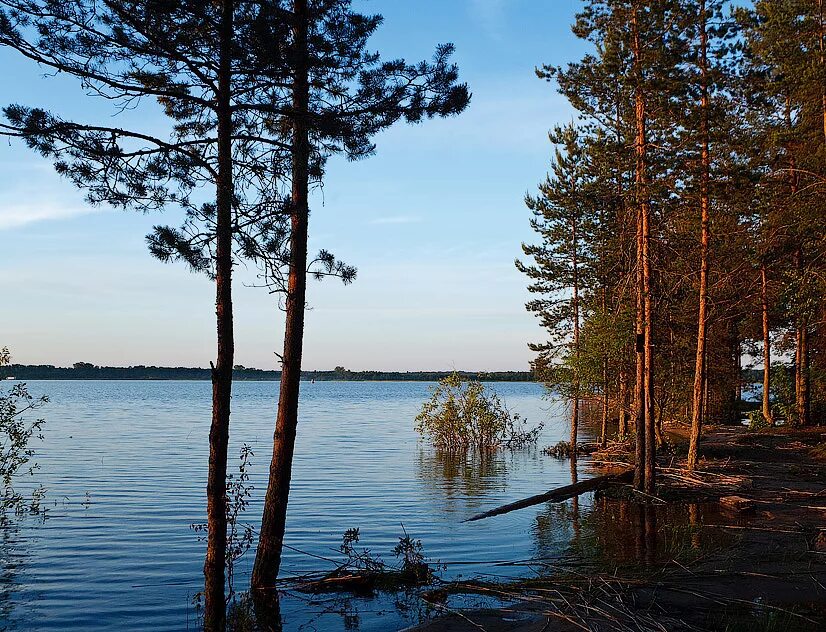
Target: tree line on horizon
(89, 371)
(681, 228)
(256, 95)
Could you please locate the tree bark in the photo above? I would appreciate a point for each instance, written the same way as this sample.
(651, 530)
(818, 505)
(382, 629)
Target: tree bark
(764, 299)
(802, 357)
(575, 265)
(268, 556)
(619, 203)
(560, 494)
(623, 403)
(214, 566)
(822, 44)
(801, 350)
(644, 260)
(603, 440)
(639, 383)
(705, 238)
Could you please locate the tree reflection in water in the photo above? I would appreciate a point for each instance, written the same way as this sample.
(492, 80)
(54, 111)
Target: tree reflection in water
(14, 559)
(463, 479)
(610, 533)
(274, 611)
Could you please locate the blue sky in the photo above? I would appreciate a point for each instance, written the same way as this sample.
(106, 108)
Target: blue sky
(433, 222)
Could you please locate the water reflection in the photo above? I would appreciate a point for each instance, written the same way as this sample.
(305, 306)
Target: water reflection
(11, 559)
(265, 611)
(93, 569)
(612, 533)
(462, 477)
(296, 610)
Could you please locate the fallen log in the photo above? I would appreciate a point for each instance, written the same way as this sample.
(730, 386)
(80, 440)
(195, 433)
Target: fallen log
(560, 493)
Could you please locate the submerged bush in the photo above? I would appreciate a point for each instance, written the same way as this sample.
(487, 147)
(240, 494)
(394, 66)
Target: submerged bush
(462, 415)
(17, 429)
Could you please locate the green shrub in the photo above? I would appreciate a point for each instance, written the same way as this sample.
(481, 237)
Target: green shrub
(784, 405)
(17, 429)
(462, 415)
(757, 420)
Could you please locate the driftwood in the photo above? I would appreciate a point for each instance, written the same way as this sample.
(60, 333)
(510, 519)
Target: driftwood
(560, 493)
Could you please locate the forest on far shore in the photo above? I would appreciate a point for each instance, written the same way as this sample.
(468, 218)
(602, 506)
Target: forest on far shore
(88, 371)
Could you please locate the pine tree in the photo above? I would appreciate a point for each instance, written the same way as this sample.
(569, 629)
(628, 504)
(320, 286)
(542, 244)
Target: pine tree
(783, 50)
(561, 217)
(340, 96)
(203, 63)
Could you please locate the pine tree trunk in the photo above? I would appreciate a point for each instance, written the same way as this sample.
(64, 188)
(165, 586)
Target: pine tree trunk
(575, 266)
(738, 393)
(764, 299)
(268, 556)
(214, 566)
(706, 393)
(705, 238)
(639, 384)
(802, 372)
(603, 441)
(650, 419)
(822, 43)
(645, 261)
(798, 374)
(801, 338)
(622, 430)
(574, 421)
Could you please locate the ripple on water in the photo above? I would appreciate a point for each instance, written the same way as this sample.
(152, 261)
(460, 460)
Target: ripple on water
(125, 558)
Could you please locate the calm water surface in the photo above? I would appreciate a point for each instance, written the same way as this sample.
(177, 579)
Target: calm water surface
(125, 462)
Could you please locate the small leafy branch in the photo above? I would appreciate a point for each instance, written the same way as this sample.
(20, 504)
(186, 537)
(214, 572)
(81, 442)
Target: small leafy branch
(359, 560)
(240, 536)
(414, 564)
(16, 453)
(362, 571)
(462, 415)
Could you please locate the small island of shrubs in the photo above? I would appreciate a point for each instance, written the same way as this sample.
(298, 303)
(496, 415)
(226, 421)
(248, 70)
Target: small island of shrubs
(463, 415)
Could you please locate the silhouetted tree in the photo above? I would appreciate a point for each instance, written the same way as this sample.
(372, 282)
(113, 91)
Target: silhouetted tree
(204, 63)
(340, 96)
(563, 218)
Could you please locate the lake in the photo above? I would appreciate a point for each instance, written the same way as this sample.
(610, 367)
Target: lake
(124, 464)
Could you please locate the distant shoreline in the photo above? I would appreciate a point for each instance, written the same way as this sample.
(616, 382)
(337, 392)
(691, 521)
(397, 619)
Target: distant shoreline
(85, 371)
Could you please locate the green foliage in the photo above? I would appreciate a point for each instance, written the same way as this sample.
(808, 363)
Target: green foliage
(784, 405)
(462, 415)
(17, 430)
(756, 419)
(559, 269)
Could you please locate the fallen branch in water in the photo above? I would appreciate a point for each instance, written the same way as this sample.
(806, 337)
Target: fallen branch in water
(560, 493)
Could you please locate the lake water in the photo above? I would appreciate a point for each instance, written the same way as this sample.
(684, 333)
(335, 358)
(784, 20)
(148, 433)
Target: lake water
(124, 464)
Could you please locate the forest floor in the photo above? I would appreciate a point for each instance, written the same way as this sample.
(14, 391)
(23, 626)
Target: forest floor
(739, 545)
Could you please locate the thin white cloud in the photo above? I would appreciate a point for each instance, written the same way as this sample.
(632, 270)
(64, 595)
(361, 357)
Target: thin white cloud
(396, 219)
(15, 215)
(490, 14)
